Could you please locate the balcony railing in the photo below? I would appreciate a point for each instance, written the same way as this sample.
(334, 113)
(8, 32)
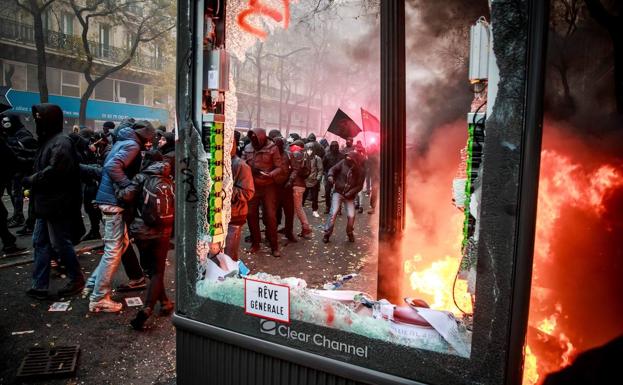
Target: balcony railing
(72, 44)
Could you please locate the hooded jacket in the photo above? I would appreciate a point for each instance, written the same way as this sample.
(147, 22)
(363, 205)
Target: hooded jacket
(298, 160)
(315, 163)
(21, 142)
(242, 192)
(121, 164)
(332, 157)
(55, 184)
(348, 176)
(168, 151)
(317, 147)
(265, 161)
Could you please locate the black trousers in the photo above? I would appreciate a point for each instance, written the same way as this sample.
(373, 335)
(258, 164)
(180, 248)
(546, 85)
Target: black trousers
(154, 260)
(285, 208)
(328, 190)
(94, 213)
(311, 193)
(8, 239)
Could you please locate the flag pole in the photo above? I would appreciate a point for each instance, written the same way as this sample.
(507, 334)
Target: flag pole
(363, 128)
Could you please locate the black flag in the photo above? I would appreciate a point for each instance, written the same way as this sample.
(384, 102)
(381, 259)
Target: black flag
(343, 126)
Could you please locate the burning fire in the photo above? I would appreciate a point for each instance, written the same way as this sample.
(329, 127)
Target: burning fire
(564, 183)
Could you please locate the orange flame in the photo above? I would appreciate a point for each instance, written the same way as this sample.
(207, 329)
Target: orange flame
(563, 183)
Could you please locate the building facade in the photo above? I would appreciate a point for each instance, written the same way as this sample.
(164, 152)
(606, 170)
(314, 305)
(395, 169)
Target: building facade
(136, 91)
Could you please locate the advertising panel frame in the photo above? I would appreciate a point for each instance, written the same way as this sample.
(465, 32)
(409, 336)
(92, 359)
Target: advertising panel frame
(508, 222)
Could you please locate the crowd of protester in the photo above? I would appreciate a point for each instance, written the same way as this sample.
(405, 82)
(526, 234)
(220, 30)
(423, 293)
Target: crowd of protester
(122, 177)
(119, 175)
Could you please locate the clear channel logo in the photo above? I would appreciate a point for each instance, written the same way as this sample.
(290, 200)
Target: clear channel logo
(275, 329)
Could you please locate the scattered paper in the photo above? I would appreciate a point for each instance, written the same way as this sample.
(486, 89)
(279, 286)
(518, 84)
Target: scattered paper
(445, 324)
(59, 306)
(22, 332)
(133, 301)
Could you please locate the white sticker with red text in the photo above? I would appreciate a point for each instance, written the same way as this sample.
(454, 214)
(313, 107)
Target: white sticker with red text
(267, 300)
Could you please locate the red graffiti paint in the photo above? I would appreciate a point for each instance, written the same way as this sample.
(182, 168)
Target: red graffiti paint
(257, 8)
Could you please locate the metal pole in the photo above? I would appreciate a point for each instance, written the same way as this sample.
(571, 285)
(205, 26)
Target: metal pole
(393, 139)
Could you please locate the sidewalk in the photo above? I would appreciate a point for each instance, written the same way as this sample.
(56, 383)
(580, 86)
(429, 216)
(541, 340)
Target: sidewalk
(111, 352)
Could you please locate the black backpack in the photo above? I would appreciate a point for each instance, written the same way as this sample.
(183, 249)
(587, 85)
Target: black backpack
(158, 207)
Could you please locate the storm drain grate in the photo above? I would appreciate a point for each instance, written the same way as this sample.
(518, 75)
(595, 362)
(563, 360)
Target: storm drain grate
(58, 361)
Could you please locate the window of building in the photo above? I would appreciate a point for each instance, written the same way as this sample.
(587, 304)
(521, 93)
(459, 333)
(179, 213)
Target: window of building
(15, 76)
(105, 90)
(104, 42)
(67, 23)
(130, 93)
(160, 98)
(70, 84)
(54, 80)
(32, 80)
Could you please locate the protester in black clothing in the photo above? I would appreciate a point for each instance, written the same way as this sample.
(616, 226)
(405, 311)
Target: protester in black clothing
(8, 160)
(373, 173)
(265, 161)
(56, 195)
(166, 146)
(285, 203)
(332, 157)
(152, 238)
(23, 144)
(317, 147)
(90, 178)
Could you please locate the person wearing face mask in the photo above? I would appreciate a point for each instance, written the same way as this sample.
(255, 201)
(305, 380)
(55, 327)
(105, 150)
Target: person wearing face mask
(166, 146)
(347, 178)
(23, 144)
(301, 168)
(56, 194)
(263, 156)
(312, 182)
(121, 165)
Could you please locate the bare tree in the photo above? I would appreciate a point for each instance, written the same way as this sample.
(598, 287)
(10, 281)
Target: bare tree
(613, 23)
(36, 8)
(155, 22)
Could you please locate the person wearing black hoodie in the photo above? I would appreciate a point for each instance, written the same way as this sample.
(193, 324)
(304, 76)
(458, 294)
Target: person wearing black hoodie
(56, 195)
(166, 146)
(23, 144)
(8, 160)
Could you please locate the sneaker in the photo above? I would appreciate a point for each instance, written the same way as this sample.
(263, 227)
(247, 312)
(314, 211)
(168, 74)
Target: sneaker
(71, 289)
(133, 285)
(276, 253)
(105, 305)
(325, 239)
(371, 211)
(315, 214)
(254, 248)
(15, 221)
(25, 231)
(360, 209)
(37, 294)
(351, 238)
